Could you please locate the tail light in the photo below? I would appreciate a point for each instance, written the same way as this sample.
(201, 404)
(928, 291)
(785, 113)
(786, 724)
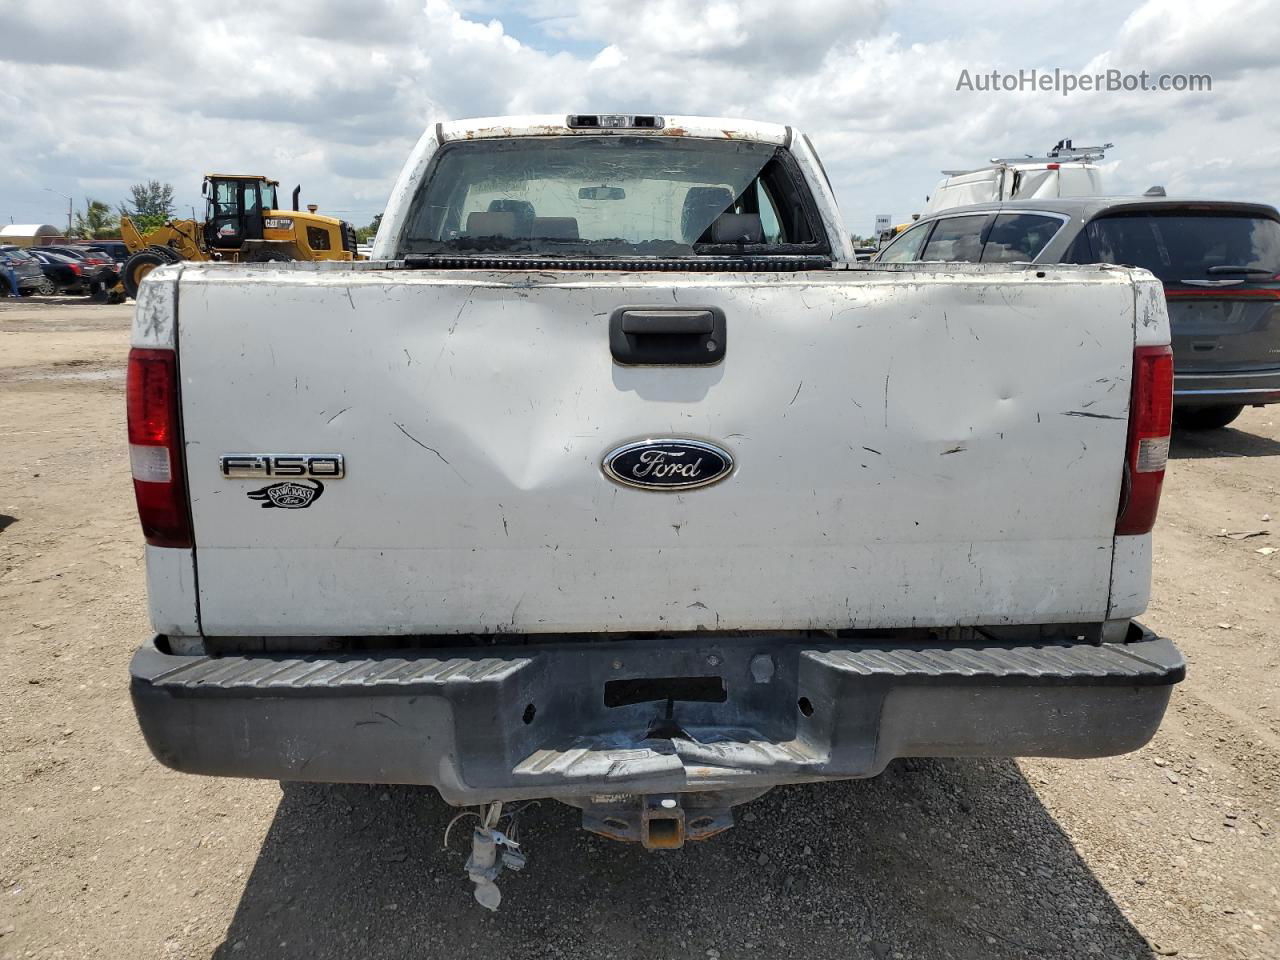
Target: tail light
(1225, 293)
(75, 268)
(155, 447)
(1150, 415)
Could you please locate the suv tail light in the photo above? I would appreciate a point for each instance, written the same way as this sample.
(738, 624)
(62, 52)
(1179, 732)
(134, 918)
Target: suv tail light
(1150, 416)
(1227, 293)
(155, 447)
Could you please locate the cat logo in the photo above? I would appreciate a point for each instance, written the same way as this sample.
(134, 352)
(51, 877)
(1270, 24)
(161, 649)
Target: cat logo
(290, 495)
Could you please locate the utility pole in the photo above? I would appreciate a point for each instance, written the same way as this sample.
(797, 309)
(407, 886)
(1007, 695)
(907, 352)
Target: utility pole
(69, 202)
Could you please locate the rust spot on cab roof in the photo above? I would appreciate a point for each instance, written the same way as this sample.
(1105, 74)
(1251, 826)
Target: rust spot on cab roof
(484, 133)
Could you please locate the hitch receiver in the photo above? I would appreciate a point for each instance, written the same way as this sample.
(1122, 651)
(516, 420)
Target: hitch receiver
(662, 823)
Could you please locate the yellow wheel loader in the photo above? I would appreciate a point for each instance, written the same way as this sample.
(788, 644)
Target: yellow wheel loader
(243, 223)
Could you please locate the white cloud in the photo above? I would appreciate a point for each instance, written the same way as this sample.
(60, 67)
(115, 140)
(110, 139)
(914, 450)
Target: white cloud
(1226, 41)
(332, 94)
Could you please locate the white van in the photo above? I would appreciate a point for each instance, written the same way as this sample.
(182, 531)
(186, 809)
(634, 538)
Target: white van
(1065, 171)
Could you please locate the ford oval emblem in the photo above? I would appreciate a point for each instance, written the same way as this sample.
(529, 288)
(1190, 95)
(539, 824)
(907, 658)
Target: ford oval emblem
(670, 463)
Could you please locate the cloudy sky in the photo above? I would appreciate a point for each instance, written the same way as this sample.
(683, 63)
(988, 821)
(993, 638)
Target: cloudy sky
(95, 96)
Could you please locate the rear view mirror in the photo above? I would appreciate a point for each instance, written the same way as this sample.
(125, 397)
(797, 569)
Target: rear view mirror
(602, 193)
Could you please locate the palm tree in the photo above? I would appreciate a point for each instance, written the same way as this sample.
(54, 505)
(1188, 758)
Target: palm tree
(96, 222)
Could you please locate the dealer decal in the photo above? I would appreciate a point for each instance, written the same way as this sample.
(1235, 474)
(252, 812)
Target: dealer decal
(290, 495)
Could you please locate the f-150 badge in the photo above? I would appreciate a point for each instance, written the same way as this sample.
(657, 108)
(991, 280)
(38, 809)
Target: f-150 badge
(670, 463)
(290, 495)
(330, 466)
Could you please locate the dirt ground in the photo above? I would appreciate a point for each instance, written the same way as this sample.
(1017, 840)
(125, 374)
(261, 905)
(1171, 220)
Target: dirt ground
(105, 854)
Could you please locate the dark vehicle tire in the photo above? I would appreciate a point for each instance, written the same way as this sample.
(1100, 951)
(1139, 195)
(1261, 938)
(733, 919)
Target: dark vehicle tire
(47, 288)
(1206, 418)
(173, 256)
(269, 256)
(138, 266)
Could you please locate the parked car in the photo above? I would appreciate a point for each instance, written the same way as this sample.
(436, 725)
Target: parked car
(116, 252)
(1219, 262)
(95, 259)
(115, 249)
(676, 519)
(65, 273)
(99, 270)
(26, 269)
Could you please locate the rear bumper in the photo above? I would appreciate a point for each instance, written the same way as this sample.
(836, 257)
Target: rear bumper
(515, 721)
(1226, 387)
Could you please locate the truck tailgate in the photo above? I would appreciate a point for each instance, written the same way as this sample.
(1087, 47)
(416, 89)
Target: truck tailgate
(930, 448)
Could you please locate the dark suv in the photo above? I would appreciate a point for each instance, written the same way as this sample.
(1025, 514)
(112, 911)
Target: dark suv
(1219, 261)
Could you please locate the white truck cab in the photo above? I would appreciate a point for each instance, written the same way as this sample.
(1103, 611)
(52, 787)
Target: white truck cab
(613, 479)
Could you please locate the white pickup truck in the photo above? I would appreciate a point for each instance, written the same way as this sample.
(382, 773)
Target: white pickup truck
(613, 479)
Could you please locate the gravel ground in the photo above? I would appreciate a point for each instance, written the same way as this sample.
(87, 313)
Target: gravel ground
(105, 854)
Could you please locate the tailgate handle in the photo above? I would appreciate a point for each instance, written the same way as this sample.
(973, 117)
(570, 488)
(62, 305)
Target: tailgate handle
(667, 336)
(690, 322)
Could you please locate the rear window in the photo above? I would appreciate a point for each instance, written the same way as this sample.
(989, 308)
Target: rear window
(612, 196)
(1019, 237)
(1183, 246)
(957, 239)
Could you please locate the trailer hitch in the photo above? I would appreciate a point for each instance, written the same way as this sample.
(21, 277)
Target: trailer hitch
(662, 821)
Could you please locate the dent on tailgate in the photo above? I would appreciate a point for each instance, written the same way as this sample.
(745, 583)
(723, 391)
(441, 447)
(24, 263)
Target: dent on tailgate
(873, 420)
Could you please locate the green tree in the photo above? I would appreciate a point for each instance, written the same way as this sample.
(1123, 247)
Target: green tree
(152, 205)
(95, 222)
(366, 234)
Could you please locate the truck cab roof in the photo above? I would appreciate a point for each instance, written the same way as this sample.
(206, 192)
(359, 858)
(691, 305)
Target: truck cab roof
(595, 124)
